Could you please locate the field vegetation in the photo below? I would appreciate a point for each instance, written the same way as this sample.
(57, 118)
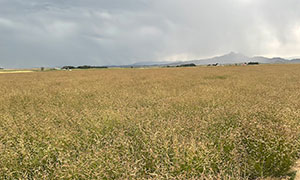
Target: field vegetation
(236, 122)
(15, 71)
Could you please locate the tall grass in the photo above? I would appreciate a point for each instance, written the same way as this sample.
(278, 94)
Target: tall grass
(181, 123)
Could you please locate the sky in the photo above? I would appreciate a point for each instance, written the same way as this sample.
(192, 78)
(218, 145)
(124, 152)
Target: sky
(53, 33)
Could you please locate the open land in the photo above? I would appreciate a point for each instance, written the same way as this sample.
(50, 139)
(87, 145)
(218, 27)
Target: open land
(14, 71)
(238, 122)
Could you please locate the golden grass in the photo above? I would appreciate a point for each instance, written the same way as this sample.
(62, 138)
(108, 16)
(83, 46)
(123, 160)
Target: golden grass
(7, 72)
(176, 123)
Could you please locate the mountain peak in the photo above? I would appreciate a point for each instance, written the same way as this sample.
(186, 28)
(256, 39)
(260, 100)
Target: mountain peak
(230, 58)
(234, 55)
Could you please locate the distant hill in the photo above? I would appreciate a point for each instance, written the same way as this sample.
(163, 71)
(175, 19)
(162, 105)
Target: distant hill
(295, 61)
(150, 63)
(230, 58)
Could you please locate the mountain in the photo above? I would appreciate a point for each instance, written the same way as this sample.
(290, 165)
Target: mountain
(233, 58)
(295, 61)
(295, 57)
(230, 58)
(151, 63)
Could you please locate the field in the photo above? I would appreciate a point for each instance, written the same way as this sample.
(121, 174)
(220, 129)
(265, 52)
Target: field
(161, 123)
(14, 71)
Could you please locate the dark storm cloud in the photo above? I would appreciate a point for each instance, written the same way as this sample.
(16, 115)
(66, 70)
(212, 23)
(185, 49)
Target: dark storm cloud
(59, 32)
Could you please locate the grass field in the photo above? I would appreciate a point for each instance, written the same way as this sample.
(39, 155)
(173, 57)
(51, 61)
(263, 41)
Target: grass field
(162, 123)
(14, 71)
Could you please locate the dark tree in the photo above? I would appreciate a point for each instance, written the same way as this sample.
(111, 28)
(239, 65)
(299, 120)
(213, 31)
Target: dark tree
(253, 63)
(187, 65)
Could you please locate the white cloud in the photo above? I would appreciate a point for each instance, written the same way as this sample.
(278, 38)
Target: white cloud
(7, 23)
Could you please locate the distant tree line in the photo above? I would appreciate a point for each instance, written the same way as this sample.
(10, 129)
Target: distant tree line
(216, 64)
(253, 63)
(84, 67)
(186, 65)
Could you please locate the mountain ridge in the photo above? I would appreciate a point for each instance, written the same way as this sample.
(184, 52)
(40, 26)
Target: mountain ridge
(230, 58)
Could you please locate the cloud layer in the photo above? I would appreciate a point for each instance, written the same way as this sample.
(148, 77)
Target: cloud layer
(36, 33)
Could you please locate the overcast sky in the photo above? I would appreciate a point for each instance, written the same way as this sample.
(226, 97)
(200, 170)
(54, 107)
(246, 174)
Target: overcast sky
(36, 33)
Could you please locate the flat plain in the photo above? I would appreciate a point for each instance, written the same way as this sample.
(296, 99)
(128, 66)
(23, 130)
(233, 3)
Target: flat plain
(14, 71)
(232, 122)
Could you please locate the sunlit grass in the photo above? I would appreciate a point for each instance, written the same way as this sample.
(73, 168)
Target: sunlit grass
(13, 71)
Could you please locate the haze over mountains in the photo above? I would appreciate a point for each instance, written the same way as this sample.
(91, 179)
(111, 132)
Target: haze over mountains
(230, 58)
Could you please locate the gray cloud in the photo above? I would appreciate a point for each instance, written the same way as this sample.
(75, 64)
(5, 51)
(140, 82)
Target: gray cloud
(100, 32)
